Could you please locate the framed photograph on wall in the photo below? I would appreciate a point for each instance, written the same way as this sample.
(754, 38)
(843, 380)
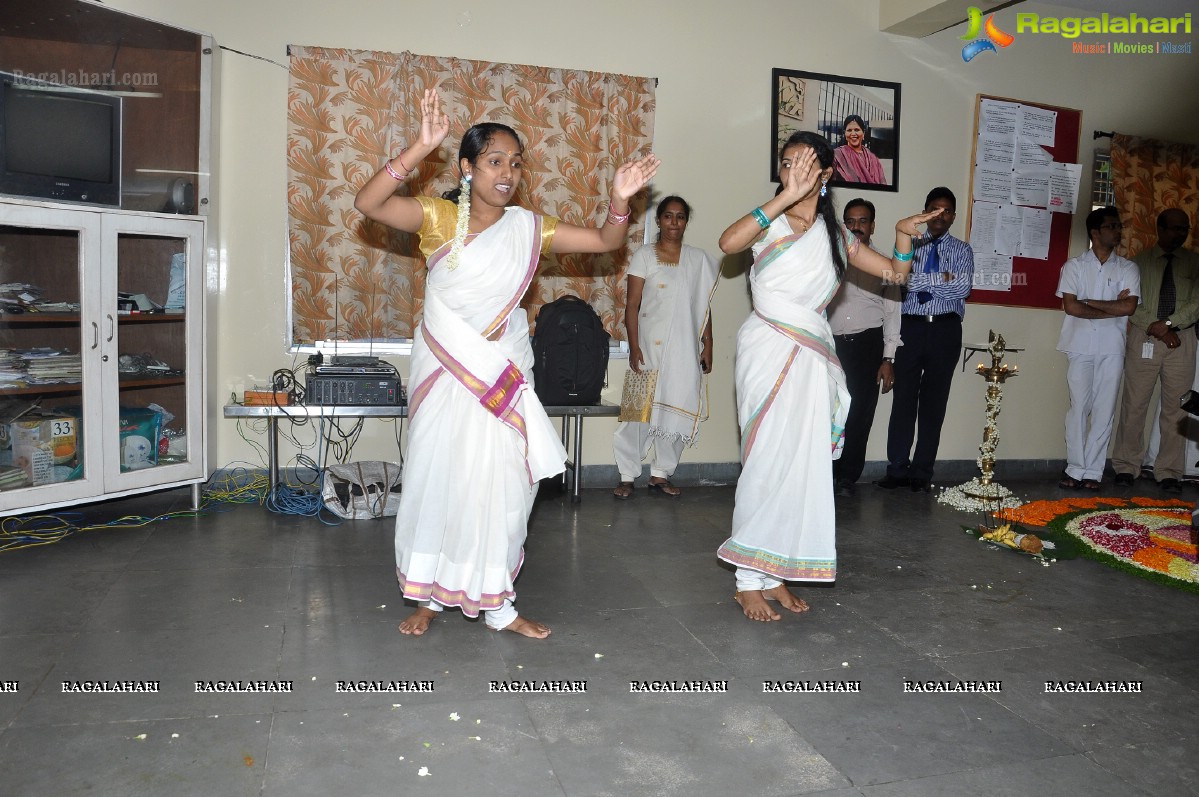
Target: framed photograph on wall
(858, 116)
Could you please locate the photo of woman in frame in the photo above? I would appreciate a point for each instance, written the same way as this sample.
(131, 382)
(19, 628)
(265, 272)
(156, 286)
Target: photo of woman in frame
(858, 116)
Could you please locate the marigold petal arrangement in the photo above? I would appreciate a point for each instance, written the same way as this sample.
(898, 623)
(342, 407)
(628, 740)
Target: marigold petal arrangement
(1152, 538)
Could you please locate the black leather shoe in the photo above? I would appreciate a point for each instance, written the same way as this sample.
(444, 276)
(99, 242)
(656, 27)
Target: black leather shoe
(893, 483)
(921, 486)
(1170, 485)
(1124, 479)
(843, 488)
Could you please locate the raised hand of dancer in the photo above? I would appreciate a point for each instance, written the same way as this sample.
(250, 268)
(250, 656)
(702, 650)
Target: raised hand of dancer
(909, 226)
(894, 271)
(628, 180)
(801, 174)
(631, 178)
(377, 199)
(434, 125)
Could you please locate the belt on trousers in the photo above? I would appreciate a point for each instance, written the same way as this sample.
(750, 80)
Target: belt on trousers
(851, 335)
(932, 318)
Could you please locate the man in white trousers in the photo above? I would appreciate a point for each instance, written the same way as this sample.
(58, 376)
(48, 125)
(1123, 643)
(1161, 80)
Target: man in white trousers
(1099, 290)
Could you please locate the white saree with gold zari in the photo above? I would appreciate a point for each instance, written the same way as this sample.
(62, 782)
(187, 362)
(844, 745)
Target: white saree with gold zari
(791, 405)
(479, 440)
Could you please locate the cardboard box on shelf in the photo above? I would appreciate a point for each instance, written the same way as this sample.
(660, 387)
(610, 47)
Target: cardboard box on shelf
(266, 398)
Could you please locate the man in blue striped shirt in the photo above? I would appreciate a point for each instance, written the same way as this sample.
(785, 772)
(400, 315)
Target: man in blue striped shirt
(931, 330)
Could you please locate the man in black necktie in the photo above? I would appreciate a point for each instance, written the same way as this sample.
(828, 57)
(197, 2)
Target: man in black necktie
(1161, 345)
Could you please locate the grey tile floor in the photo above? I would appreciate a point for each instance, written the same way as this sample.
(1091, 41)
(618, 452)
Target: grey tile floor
(633, 593)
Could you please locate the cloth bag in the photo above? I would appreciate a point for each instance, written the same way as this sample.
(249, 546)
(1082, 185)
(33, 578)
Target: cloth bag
(362, 490)
(637, 400)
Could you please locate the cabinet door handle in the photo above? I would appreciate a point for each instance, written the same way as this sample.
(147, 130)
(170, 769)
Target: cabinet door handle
(95, 334)
(112, 328)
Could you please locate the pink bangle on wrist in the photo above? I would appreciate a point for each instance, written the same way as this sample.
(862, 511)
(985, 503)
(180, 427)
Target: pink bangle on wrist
(396, 175)
(618, 218)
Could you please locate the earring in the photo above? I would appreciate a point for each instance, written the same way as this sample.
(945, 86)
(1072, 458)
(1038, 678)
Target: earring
(824, 186)
(467, 178)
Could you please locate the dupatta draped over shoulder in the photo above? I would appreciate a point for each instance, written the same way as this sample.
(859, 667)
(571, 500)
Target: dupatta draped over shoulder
(479, 440)
(791, 404)
(861, 166)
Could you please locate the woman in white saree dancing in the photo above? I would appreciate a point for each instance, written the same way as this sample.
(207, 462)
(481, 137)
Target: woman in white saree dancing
(479, 440)
(791, 395)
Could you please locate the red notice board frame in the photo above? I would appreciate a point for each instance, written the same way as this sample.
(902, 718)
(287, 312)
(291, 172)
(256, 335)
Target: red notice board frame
(1037, 287)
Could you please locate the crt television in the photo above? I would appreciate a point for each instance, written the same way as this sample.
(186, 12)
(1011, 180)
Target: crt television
(58, 143)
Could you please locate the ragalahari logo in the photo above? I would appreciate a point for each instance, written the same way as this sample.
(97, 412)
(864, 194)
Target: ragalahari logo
(994, 36)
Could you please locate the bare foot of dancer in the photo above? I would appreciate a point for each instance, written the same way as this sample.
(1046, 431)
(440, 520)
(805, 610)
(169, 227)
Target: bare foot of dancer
(755, 606)
(785, 598)
(417, 623)
(526, 627)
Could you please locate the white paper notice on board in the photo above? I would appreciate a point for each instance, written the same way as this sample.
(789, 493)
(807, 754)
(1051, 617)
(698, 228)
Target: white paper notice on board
(983, 216)
(992, 272)
(1037, 124)
(992, 185)
(1007, 230)
(1063, 187)
(998, 118)
(1031, 156)
(1034, 233)
(1031, 189)
(996, 152)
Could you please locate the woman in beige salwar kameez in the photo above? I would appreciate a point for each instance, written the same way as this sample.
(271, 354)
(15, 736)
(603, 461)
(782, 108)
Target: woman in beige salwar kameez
(791, 395)
(479, 440)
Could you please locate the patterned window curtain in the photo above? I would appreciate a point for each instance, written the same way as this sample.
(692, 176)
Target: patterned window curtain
(349, 109)
(1149, 176)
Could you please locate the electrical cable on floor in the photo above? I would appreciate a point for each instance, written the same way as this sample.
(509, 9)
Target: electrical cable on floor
(30, 531)
(239, 485)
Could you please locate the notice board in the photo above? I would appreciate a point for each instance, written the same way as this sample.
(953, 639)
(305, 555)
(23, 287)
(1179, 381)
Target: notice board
(1012, 217)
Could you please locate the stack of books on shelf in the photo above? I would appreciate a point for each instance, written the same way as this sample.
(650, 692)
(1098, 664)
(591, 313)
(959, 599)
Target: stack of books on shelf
(19, 294)
(54, 307)
(50, 366)
(12, 369)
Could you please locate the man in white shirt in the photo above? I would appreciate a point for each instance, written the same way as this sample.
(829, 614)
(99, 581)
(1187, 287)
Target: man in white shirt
(1099, 290)
(864, 316)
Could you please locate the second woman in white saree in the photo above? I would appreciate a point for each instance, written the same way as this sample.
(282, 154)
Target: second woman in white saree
(791, 395)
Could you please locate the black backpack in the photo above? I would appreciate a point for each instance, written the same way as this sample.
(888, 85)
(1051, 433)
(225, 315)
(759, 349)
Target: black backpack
(570, 351)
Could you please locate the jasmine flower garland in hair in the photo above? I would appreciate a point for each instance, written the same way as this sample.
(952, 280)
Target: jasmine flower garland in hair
(463, 225)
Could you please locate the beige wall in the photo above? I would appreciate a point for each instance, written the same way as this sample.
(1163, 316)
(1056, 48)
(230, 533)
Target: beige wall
(713, 59)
